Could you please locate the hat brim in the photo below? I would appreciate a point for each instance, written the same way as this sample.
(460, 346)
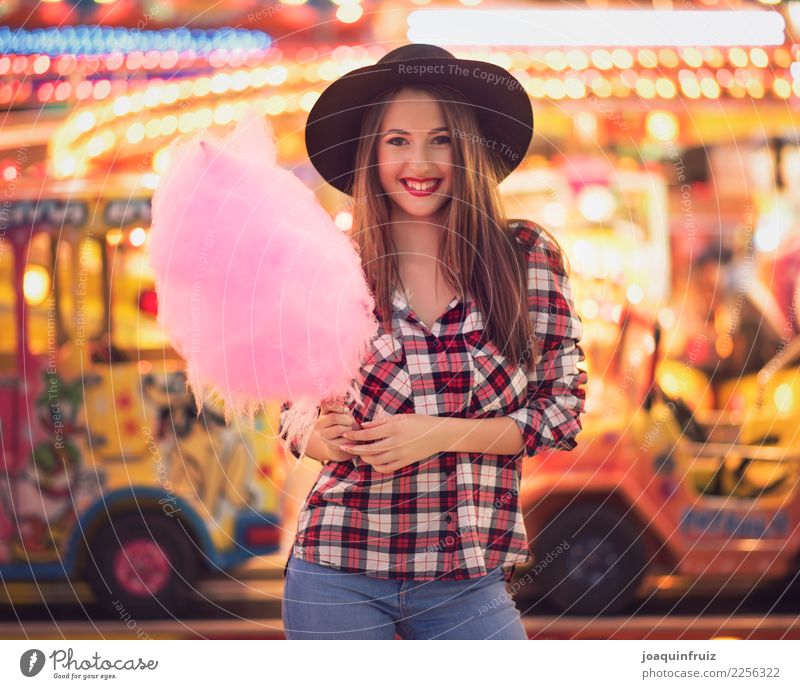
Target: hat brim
(502, 107)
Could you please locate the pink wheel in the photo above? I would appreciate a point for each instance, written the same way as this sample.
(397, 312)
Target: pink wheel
(141, 567)
(146, 563)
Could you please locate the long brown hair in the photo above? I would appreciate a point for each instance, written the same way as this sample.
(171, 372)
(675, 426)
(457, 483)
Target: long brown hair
(479, 251)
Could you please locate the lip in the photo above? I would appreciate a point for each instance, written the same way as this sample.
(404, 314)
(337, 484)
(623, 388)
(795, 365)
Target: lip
(416, 192)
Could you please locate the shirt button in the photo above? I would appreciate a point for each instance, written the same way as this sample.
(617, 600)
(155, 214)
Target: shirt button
(448, 518)
(452, 540)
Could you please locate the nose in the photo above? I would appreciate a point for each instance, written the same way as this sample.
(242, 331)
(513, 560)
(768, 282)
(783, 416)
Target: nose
(420, 152)
(420, 166)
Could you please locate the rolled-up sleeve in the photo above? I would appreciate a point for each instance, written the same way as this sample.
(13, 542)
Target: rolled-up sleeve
(556, 396)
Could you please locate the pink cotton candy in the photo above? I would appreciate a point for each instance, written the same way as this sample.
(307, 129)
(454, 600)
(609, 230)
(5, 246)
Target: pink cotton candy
(258, 290)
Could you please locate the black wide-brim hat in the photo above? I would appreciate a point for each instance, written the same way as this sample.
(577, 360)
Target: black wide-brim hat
(502, 107)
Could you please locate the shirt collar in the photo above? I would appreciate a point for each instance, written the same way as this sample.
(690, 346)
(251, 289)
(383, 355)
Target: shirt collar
(472, 318)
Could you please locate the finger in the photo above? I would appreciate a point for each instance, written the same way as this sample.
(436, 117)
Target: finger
(390, 462)
(348, 453)
(339, 453)
(336, 420)
(335, 433)
(377, 421)
(383, 462)
(336, 407)
(376, 433)
(338, 428)
(397, 463)
(335, 410)
(340, 456)
(378, 447)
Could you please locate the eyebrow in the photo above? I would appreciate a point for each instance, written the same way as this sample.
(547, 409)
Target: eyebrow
(403, 131)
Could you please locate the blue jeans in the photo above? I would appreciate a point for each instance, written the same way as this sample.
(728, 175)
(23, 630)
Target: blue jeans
(322, 602)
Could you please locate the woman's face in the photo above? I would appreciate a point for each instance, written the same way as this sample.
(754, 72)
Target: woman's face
(415, 154)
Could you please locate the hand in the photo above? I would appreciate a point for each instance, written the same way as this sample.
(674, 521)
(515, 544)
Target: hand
(397, 440)
(334, 419)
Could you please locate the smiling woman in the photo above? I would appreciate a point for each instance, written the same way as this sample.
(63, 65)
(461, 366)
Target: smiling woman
(418, 162)
(474, 364)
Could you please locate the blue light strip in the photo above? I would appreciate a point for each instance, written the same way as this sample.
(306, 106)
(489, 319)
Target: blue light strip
(101, 40)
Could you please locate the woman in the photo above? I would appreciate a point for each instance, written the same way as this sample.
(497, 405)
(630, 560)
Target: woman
(414, 525)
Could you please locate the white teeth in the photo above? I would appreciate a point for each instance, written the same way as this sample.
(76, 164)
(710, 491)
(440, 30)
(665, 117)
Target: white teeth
(424, 186)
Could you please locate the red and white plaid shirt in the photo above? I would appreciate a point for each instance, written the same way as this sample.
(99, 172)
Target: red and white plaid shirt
(457, 516)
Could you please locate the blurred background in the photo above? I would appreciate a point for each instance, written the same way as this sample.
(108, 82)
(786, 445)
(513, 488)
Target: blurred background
(665, 160)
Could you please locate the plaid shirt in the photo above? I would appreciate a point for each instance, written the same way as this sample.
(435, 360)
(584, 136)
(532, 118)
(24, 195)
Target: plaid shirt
(456, 516)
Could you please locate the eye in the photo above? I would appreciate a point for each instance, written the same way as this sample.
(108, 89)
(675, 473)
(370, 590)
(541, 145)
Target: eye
(443, 138)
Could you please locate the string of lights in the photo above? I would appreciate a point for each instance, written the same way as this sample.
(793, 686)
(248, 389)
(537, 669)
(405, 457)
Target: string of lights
(101, 40)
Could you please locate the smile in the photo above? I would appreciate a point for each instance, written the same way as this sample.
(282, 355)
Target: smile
(421, 188)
